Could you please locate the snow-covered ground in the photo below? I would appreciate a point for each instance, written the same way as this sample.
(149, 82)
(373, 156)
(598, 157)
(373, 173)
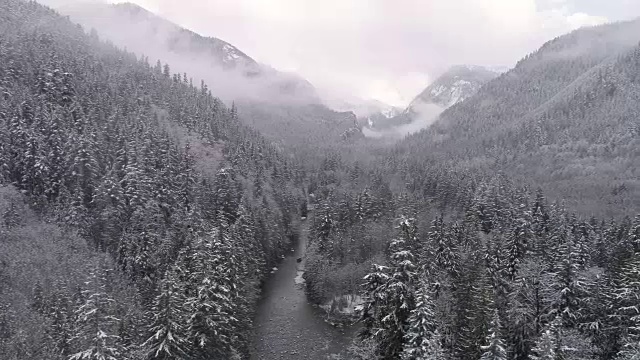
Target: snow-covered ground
(343, 304)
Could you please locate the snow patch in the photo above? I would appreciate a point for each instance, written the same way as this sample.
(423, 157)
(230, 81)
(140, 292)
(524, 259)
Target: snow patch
(438, 90)
(299, 279)
(461, 83)
(343, 304)
(390, 112)
(230, 53)
(370, 122)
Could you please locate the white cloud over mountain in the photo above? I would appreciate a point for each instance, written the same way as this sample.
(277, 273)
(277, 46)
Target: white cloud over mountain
(384, 49)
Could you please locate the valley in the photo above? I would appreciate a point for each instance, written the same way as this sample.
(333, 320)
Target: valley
(164, 195)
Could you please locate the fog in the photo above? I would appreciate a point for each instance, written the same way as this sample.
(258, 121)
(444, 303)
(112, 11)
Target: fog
(426, 114)
(233, 77)
(379, 49)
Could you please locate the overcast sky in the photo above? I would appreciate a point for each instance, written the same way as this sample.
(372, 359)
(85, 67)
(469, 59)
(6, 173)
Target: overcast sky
(385, 49)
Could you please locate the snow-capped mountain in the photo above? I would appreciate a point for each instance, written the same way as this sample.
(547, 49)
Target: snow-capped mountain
(390, 112)
(457, 84)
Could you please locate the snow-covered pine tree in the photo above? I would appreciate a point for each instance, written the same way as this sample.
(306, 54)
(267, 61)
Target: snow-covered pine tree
(62, 327)
(169, 338)
(566, 281)
(212, 305)
(518, 240)
(420, 340)
(400, 291)
(627, 300)
(374, 299)
(444, 249)
(545, 348)
(96, 332)
(634, 234)
(527, 310)
(630, 350)
(496, 347)
(389, 294)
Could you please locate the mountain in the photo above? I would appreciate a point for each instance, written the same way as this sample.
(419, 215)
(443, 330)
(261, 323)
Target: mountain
(180, 40)
(455, 85)
(280, 105)
(229, 72)
(564, 119)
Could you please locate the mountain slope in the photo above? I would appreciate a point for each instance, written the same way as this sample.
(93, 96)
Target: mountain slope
(279, 105)
(132, 203)
(563, 119)
(180, 40)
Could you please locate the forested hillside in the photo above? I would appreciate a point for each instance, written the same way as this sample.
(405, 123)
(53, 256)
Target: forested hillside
(565, 119)
(476, 268)
(138, 214)
(282, 106)
(307, 132)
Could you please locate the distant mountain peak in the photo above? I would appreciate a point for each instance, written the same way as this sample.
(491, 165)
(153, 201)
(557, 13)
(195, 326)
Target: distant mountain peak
(133, 8)
(455, 85)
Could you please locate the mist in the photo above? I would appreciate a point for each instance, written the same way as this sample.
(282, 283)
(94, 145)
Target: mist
(425, 116)
(231, 78)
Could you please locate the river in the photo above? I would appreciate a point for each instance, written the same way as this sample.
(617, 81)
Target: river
(286, 325)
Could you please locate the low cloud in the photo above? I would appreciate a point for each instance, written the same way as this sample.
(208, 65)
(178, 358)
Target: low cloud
(161, 40)
(378, 48)
(425, 115)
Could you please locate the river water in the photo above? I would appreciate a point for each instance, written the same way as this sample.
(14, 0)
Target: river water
(286, 325)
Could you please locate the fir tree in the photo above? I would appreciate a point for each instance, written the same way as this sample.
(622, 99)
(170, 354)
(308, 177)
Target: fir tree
(96, 337)
(496, 347)
(421, 341)
(169, 337)
(545, 348)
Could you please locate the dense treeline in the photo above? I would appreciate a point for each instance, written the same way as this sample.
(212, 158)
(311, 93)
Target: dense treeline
(492, 271)
(176, 201)
(513, 278)
(502, 273)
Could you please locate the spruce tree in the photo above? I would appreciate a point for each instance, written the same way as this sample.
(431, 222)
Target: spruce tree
(420, 340)
(169, 338)
(96, 331)
(496, 347)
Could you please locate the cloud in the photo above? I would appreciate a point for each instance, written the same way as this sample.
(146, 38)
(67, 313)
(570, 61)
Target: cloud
(426, 114)
(580, 19)
(378, 48)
